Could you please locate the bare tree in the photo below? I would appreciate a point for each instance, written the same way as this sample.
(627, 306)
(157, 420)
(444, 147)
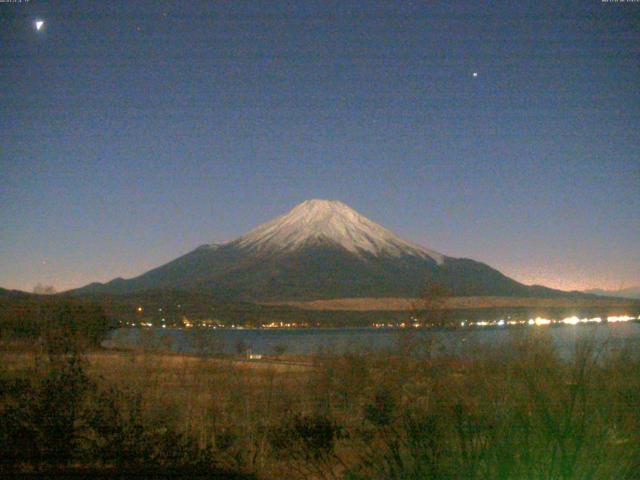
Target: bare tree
(44, 289)
(432, 308)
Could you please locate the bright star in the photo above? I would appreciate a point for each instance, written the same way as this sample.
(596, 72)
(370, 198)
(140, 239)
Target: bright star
(39, 25)
(475, 74)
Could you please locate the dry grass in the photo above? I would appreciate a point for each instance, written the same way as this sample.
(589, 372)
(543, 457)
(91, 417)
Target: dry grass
(518, 412)
(401, 304)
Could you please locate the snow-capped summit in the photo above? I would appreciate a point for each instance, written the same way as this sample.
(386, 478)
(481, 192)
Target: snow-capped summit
(329, 221)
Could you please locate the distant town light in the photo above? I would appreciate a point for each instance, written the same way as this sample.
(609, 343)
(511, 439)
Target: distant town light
(571, 320)
(624, 318)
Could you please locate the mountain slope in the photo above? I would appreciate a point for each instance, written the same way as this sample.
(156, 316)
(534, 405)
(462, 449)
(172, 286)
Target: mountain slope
(629, 292)
(320, 249)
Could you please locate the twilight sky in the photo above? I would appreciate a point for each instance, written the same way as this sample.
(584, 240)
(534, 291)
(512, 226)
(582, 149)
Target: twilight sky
(133, 131)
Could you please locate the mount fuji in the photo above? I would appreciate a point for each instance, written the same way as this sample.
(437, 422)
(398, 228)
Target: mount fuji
(321, 249)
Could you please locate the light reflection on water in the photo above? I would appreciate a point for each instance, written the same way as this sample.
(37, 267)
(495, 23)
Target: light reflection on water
(616, 332)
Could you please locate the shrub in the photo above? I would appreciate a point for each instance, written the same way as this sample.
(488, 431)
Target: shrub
(40, 416)
(381, 410)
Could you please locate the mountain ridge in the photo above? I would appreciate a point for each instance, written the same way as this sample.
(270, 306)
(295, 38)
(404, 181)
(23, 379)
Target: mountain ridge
(320, 249)
(629, 292)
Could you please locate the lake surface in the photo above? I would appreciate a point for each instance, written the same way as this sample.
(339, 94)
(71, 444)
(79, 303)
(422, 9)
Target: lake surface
(340, 340)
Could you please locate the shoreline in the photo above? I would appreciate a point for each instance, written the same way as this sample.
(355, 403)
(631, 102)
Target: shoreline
(466, 324)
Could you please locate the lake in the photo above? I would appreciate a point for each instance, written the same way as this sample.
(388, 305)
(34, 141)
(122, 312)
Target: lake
(339, 340)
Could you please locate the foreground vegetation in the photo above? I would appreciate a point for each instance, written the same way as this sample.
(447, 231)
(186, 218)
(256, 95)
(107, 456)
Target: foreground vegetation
(520, 412)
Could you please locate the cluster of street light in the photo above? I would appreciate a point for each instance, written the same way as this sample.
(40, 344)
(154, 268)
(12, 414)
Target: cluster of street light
(537, 321)
(540, 321)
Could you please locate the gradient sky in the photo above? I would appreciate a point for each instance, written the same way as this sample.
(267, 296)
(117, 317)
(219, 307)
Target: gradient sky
(133, 131)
